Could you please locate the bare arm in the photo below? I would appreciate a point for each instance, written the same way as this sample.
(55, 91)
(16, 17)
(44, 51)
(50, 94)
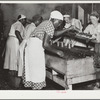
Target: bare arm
(61, 32)
(47, 46)
(18, 36)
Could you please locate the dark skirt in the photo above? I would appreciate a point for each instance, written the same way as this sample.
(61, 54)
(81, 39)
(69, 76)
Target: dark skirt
(97, 55)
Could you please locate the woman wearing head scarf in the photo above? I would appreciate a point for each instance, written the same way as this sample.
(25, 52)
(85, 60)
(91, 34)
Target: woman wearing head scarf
(34, 67)
(94, 30)
(16, 35)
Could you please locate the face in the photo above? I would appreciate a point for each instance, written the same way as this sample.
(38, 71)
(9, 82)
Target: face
(57, 23)
(94, 19)
(38, 22)
(23, 21)
(67, 19)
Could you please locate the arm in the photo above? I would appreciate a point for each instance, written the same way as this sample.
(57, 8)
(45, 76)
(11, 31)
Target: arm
(61, 32)
(47, 46)
(18, 36)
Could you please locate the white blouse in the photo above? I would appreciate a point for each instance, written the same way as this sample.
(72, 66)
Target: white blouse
(17, 26)
(94, 31)
(76, 23)
(29, 29)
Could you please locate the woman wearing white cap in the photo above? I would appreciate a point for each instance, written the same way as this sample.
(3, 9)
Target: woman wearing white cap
(34, 68)
(16, 35)
(69, 21)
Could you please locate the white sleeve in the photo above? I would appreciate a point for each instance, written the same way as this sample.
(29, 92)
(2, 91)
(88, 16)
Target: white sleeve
(77, 23)
(18, 27)
(29, 31)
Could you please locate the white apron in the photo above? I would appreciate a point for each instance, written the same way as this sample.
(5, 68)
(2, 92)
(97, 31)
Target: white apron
(20, 62)
(34, 61)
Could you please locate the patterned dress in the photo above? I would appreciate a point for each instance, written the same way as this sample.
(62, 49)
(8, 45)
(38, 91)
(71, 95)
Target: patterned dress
(34, 61)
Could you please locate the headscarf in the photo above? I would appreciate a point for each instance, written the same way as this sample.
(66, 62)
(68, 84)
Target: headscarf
(66, 16)
(56, 15)
(21, 17)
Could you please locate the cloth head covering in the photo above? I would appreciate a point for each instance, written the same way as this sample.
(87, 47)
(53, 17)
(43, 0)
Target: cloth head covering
(56, 15)
(66, 16)
(21, 17)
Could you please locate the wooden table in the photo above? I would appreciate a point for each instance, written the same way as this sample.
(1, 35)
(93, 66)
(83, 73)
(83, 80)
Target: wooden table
(68, 72)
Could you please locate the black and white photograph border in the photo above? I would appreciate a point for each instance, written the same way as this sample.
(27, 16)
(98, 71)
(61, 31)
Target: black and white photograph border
(72, 73)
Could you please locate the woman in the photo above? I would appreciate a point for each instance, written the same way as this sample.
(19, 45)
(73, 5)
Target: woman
(35, 71)
(36, 20)
(76, 24)
(94, 30)
(69, 21)
(16, 35)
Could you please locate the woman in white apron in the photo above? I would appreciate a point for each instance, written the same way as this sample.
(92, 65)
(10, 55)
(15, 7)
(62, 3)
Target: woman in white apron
(36, 20)
(15, 38)
(34, 66)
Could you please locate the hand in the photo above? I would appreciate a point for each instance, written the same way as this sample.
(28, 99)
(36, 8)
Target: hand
(93, 37)
(60, 53)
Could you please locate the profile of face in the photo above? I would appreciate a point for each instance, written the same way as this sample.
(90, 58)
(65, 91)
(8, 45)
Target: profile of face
(38, 21)
(94, 19)
(57, 23)
(23, 21)
(67, 19)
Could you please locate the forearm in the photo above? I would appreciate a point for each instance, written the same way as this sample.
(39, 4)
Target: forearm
(47, 46)
(50, 48)
(61, 32)
(18, 36)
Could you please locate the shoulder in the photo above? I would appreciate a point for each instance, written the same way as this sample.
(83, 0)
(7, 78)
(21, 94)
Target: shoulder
(31, 25)
(17, 23)
(46, 22)
(89, 26)
(45, 25)
(76, 20)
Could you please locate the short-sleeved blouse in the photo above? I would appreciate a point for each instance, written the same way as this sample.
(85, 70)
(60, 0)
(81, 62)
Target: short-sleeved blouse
(29, 29)
(17, 26)
(74, 22)
(45, 27)
(95, 31)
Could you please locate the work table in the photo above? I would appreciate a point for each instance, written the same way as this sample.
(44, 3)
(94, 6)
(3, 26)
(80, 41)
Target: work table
(73, 68)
